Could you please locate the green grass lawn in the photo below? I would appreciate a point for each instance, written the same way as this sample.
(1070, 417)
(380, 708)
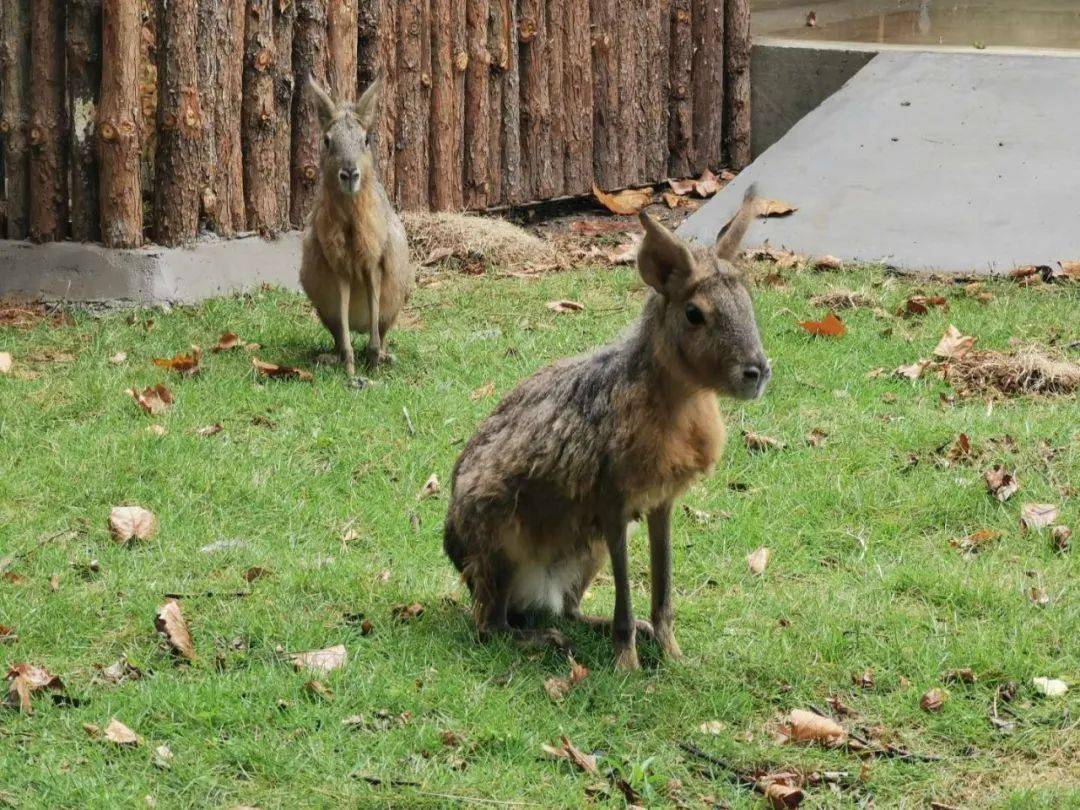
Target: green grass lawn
(319, 482)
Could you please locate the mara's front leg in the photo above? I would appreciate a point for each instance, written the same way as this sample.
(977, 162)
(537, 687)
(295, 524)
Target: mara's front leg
(344, 338)
(623, 629)
(663, 615)
(372, 278)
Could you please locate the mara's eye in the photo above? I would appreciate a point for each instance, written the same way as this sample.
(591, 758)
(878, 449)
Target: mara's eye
(367, 139)
(694, 315)
(326, 139)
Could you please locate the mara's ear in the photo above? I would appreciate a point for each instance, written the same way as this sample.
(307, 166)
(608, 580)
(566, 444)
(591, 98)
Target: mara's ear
(367, 107)
(325, 105)
(730, 237)
(664, 260)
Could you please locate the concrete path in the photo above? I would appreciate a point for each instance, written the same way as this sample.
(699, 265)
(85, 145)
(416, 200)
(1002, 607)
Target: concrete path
(928, 162)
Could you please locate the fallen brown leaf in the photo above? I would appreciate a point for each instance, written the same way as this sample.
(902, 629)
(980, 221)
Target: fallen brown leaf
(319, 689)
(976, 540)
(816, 437)
(568, 751)
(26, 679)
(783, 259)
(841, 299)
(758, 560)
(558, 688)
(154, 400)
(565, 306)
(320, 660)
(960, 450)
(186, 364)
(595, 227)
(674, 201)
(962, 675)
(933, 700)
(804, 726)
(1060, 536)
(1039, 596)
(1001, 483)
(280, 372)
(829, 326)
(120, 671)
(954, 345)
(8, 634)
(757, 442)
(430, 488)
(119, 734)
(256, 572)
(712, 727)
(841, 708)
(1069, 270)
(1037, 515)
(484, 391)
(170, 623)
(827, 262)
(912, 372)
(864, 679)
(626, 202)
(779, 795)
(406, 613)
(227, 341)
(131, 523)
(163, 757)
(366, 627)
(5, 362)
(774, 208)
(921, 304)
(209, 430)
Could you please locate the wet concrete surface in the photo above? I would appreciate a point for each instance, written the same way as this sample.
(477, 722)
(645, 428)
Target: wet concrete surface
(928, 162)
(1052, 24)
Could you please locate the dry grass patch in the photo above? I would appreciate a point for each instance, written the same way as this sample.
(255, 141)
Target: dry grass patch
(473, 239)
(1029, 370)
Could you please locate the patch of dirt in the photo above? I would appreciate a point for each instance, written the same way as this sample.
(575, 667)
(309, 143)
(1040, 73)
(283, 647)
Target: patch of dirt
(25, 315)
(1029, 370)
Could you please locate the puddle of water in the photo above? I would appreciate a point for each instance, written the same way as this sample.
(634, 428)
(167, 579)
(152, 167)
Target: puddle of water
(1016, 23)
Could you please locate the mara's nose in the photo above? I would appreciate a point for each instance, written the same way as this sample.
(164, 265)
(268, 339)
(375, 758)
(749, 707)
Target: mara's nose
(349, 174)
(757, 371)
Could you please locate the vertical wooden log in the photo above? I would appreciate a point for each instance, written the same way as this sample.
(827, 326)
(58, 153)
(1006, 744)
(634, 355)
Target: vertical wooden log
(656, 88)
(284, 90)
(148, 95)
(15, 114)
(513, 185)
(209, 86)
(577, 98)
(630, 125)
(499, 53)
(119, 124)
(605, 93)
(555, 143)
(386, 133)
(681, 121)
(228, 104)
(414, 87)
(446, 126)
(368, 21)
(48, 123)
(178, 172)
(342, 41)
(708, 95)
(83, 85)
(535, 101)
(309, 59)
(259, 119)
(737, 82)
(477, 101)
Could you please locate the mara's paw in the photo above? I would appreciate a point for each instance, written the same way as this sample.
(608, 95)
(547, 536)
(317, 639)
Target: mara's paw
(626, 660)
(377, 357)
(665, 637)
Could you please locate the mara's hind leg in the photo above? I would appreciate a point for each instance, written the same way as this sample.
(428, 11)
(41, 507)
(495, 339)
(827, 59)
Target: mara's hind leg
(591, 565)
(491, 606)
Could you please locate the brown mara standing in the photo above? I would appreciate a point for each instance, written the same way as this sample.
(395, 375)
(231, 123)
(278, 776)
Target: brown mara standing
(545, 489)
(356, 267)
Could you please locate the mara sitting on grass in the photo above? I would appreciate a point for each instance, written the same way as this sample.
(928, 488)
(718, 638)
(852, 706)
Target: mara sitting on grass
(356, 268)
(545, 489)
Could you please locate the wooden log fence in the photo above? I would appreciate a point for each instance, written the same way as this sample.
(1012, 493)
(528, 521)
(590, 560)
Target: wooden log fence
(158, 121)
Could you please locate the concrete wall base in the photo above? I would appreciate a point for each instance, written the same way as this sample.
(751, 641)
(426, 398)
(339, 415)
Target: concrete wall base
(82, 273)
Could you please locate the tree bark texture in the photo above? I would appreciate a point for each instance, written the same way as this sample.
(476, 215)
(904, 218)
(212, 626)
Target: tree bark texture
(285, 88)
(259, 124)
(555, 142)
(577, 98)
(681, 120)
(414, 93)
(178, 169)
(15, 114)
(119, 124)
(605, 94)
(48, 123)
(446, 132)
(343, 40)
(499, 53)
(708, 93)
(369, 24)
(654, 81)
(83, 86)
(535, 100)
(737, 82)
(477, 105)
(386, 133)
(512, 181)
(309, 59)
